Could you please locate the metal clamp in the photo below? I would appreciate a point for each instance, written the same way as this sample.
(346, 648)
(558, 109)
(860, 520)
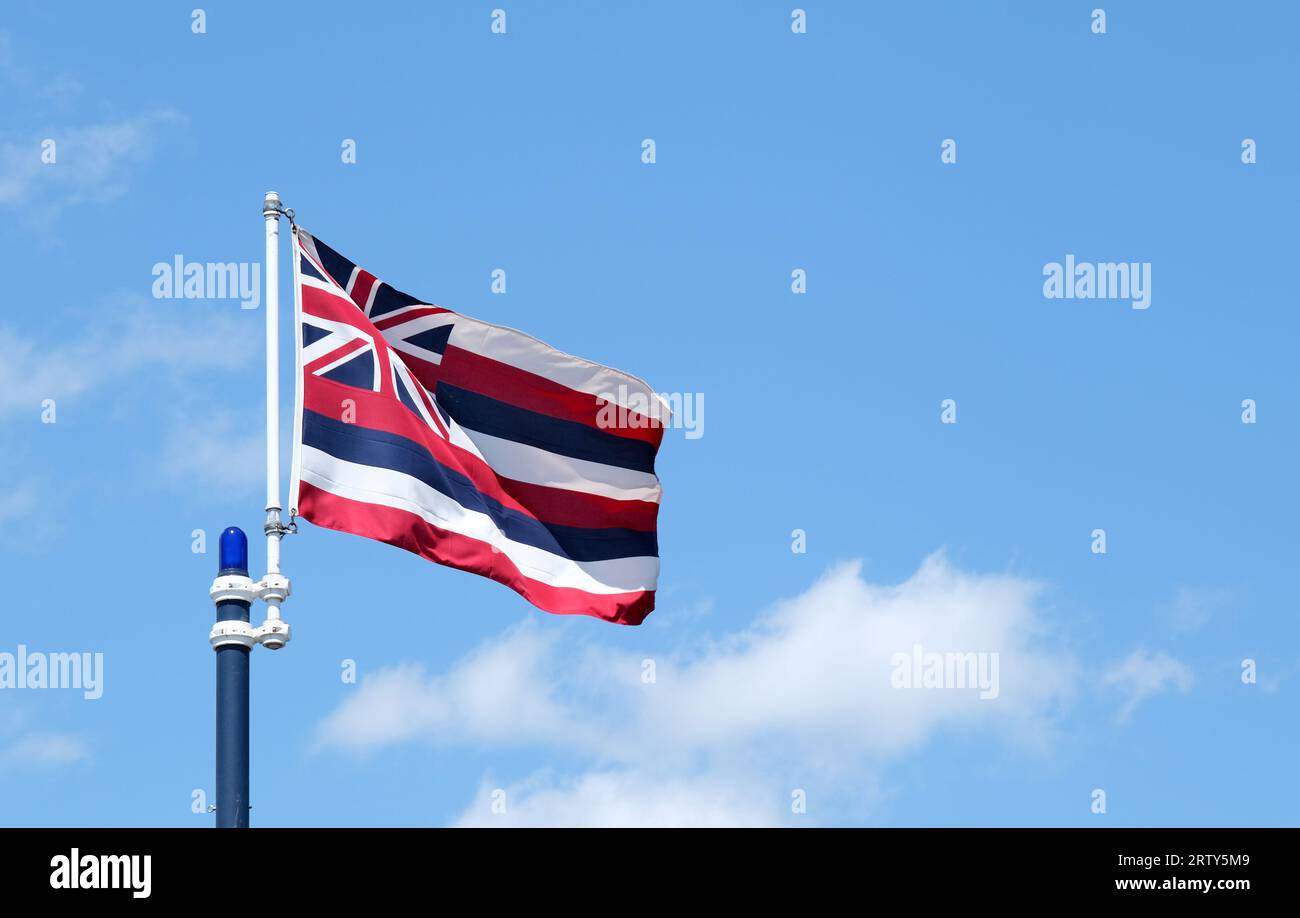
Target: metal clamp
(233, 588)
(280, 209)
(273, 588)
(234, 632)
(272, 634)
(277, 528)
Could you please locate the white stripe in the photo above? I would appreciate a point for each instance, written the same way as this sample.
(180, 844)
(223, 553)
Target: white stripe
(414, 387)
(407, 347)
(308, 281)
(399, 311)
(297, 382)
(388, 488)
(340, 335)
(531, 465)
(408, 330)
(374, 385)
(517, 349)
(309, 246)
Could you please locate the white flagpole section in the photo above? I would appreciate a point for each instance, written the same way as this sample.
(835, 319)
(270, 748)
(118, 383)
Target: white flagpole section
(274, 587)
(271, 212)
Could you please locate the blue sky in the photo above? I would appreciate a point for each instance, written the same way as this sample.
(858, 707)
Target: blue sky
(775, 151)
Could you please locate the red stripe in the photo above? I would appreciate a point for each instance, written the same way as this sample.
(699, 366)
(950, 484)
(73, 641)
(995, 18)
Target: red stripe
(522, 389)
(397, 319)
(561, 506)
(423, 395)
(334, 304)
(360, 291)
(415, 534)
(337, 354)
(577, 508)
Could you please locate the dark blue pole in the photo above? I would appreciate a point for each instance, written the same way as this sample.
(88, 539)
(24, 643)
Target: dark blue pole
(232, 695)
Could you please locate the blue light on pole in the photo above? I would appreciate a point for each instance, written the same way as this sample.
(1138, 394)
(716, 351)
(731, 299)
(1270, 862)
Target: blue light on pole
(234, 551)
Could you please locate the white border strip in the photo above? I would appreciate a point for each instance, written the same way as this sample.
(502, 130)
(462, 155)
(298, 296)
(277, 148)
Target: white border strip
(295, 464)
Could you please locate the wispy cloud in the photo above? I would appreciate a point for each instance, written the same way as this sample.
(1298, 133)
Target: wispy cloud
(126, 341)
(50, 167)
(92, 163)
(126, 336)
(1193, 607)
(1144, 675)
(43, 750)
(17, 502)
(23, 748)
(215, 450)
(59, 89)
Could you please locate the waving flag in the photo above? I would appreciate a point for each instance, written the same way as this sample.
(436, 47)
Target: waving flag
(473, 445)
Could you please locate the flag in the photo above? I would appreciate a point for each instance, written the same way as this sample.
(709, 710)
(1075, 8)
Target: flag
(473, 445)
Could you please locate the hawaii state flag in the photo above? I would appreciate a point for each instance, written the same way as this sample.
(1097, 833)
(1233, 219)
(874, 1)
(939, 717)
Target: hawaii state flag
(473, 445)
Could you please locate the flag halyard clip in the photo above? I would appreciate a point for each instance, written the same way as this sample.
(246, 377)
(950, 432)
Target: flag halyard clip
(278, 208)
(274, 527)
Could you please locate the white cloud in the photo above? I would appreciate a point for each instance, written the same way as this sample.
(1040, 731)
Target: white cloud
(805, 690)
(1143, 675)
(818, 667)
(498, 695)
(610, 799)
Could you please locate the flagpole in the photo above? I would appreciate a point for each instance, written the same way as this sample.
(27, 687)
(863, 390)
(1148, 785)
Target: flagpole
(274, 633)
(233, 637)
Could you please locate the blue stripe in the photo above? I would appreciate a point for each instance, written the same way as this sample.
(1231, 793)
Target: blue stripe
(312, 333)
(387, 299)
(555, 435)
(339, 267)
(381, 449)
(358, 371)
(433, 339)
(406, 397)
(306, 267)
